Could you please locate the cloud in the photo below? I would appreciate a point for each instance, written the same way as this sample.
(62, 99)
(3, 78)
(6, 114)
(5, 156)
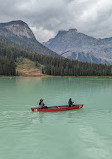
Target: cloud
(42, 34)
(46, 18)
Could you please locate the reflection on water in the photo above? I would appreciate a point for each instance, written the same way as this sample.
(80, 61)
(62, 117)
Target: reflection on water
(84, 133)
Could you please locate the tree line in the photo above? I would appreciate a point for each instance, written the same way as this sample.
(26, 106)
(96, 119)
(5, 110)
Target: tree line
(7, 66)
(57, 66)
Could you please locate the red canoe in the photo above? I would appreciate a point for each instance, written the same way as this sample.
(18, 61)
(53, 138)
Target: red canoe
(57, 108)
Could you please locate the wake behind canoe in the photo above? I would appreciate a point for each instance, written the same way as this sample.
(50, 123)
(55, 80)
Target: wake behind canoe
(57, 108)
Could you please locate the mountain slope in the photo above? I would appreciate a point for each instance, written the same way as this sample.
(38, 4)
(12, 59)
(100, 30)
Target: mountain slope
(18, 32)
(75, 45)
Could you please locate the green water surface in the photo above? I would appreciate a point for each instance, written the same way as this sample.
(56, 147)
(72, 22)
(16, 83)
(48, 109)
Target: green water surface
(74, 134)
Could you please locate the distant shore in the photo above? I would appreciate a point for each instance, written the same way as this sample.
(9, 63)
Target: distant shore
(57, 76)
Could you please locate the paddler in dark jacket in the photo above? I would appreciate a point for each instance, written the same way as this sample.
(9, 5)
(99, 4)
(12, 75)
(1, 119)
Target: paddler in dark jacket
(70, 103)
(41, 104)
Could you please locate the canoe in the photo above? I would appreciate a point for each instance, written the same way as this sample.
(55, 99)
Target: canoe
(57, 108)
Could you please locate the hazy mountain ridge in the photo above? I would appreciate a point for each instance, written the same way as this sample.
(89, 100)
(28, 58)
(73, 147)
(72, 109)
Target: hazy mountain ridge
(75, 45)
(19, 33)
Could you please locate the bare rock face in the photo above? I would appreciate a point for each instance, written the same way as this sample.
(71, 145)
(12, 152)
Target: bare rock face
(19, 33)
(16, 28)
(75, 45)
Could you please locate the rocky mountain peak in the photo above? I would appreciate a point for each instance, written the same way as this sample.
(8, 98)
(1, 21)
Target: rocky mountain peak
(61, 32)
(75, 45)
(18, 33)
(73, 30)
(17, 22)
(14, 23)
(17, 28)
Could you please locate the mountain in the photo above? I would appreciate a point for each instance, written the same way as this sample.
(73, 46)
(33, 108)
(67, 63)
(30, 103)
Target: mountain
(75, 45)
(19, 33)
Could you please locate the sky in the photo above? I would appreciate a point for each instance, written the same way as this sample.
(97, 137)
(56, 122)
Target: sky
(47, 17)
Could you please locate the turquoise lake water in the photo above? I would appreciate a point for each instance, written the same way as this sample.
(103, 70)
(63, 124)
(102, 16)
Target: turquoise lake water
(74, 134)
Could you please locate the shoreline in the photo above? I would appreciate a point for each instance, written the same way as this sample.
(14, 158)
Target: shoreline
(43, 76)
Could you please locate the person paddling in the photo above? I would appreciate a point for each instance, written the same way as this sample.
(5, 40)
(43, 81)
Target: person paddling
(70, 103)
(41, 104)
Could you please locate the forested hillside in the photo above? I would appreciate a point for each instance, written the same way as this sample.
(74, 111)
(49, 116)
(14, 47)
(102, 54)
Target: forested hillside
(57, 66)
(7, 66)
